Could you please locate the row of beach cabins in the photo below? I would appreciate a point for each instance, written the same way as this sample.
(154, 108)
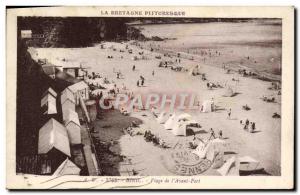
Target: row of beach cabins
(64, 148)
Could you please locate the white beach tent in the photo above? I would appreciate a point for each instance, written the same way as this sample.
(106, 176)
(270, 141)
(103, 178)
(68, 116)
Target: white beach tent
(228, 92)
(230, 166)
(201, 150)
(179, 128)
(207, 106)
(67, 102)
(180, 123)
(216, 146)
(170, 122)
(208, 150)
(66, 168)
(53, 135)
(73, 127)
(48, 101)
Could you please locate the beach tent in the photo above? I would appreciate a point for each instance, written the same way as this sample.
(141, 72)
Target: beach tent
(216, 147)
(53, 135)
(180, 123)
(201, 150)
(170, 122)
(247, 163)
(207, 106)
(67, 101)
(179, 128)
(66, 168)
(48, 102)
(208, 150)
(195, 70)
(230, 166)
(73, 127)
(162, 117)
(228, 92)
(80, 89)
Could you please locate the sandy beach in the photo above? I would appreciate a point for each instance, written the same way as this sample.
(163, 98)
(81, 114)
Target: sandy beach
(263, 145)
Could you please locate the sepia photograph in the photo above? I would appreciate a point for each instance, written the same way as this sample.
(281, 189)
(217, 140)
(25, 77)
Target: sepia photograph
(145, 93)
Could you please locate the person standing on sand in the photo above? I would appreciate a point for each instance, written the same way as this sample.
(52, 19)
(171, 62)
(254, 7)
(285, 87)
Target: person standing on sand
(152, 72)
(229, 113)
(138, 83)
(212, 134)
(252, 127)
(246, 124)
(220, 134)
(142, 82)
(133, 68)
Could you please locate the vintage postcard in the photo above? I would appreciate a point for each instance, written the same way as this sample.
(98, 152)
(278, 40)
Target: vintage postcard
(150, 98)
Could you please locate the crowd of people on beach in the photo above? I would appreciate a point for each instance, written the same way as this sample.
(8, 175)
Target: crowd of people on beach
(149, 136)
(248, 126)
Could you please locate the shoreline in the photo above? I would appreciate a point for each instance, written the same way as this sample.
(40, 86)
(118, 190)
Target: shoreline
(264, 76)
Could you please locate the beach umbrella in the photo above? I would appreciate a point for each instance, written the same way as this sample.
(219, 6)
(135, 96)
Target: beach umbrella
(170, 122)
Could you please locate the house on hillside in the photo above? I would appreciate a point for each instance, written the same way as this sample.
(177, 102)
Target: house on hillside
(26, 34)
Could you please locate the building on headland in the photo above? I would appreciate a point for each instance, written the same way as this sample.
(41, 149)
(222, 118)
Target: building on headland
(26, 34)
